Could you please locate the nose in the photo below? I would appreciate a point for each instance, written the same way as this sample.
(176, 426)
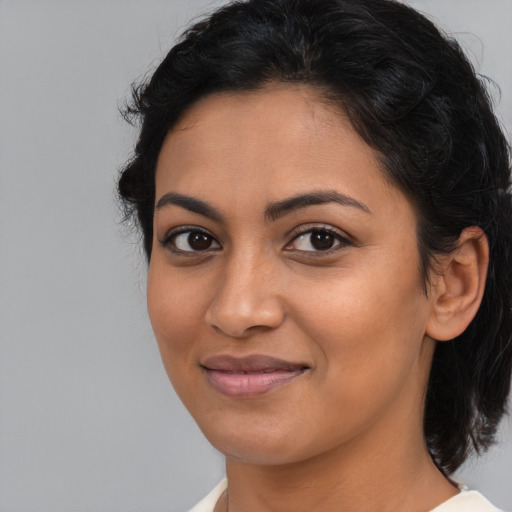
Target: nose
(247, 299)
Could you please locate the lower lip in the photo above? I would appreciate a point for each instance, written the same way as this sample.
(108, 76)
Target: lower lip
(246, 385)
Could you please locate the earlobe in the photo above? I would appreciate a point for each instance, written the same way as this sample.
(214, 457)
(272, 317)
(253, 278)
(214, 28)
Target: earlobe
(458, 286)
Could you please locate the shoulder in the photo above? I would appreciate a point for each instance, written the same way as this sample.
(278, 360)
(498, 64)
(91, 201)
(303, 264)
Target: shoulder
(207, 504)
(466, 501)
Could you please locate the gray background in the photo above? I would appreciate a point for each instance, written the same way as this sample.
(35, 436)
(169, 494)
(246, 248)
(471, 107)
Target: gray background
(88, 421)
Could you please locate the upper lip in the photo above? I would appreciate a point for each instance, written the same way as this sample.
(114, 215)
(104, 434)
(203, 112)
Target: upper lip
(252, 363)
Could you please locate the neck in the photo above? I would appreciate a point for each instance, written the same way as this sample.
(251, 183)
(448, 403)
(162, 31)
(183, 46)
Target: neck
(376, 473)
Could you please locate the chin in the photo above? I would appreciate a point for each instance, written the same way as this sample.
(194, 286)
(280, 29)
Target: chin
(261, 443)
(262, 453)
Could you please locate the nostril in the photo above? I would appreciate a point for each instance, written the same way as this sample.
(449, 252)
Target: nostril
(244, 318)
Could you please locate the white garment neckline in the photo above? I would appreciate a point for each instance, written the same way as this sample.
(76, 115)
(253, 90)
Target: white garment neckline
(465, 501)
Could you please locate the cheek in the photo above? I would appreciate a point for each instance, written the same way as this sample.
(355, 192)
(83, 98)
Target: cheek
(368, 325)
(176, 310)
(370, 353)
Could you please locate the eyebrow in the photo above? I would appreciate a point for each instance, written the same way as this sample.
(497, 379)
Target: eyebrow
(191, 204)
(273, 211)
(278, 209)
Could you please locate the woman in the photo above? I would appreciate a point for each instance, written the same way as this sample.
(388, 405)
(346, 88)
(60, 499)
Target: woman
(324, 197)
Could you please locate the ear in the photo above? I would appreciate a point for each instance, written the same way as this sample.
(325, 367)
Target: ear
(458, 286)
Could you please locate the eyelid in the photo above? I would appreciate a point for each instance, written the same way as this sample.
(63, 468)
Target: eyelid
(165, 242)
(344, 239)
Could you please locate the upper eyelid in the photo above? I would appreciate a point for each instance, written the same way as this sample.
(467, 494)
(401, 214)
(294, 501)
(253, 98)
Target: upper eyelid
(344, 241)
(180, 230)
(313, 226)
(290, 235)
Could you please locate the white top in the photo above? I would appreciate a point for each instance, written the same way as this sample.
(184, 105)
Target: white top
(465, 501)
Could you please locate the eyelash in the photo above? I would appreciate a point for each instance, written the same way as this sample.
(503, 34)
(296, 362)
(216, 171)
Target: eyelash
(341, 241)
(169, 240)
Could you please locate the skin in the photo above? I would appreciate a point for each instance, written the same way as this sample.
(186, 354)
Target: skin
(346, 433)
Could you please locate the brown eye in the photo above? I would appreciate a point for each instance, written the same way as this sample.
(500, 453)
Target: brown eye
(322, 240)
(193, 241)
(318, 240)
(199, 241)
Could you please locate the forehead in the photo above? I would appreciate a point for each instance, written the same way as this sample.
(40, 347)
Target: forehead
(265, 145)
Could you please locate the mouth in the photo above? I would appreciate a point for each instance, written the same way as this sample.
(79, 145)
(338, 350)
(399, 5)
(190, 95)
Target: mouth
(250, 376)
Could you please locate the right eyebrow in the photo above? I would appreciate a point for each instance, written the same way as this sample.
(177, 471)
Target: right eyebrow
(191, 204)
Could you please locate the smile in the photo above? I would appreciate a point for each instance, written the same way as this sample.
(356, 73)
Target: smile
(250, 376)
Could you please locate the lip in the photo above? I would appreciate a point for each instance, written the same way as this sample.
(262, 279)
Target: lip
(251, 376)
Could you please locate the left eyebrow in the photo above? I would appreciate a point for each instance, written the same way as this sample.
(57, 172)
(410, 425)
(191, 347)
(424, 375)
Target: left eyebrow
(279, 209)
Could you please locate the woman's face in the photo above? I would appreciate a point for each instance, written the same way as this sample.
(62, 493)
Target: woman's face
(284, 285)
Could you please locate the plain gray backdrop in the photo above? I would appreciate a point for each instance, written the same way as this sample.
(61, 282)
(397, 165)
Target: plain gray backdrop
(88, 420)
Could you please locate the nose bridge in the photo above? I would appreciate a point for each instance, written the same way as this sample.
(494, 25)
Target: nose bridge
(247, 294)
